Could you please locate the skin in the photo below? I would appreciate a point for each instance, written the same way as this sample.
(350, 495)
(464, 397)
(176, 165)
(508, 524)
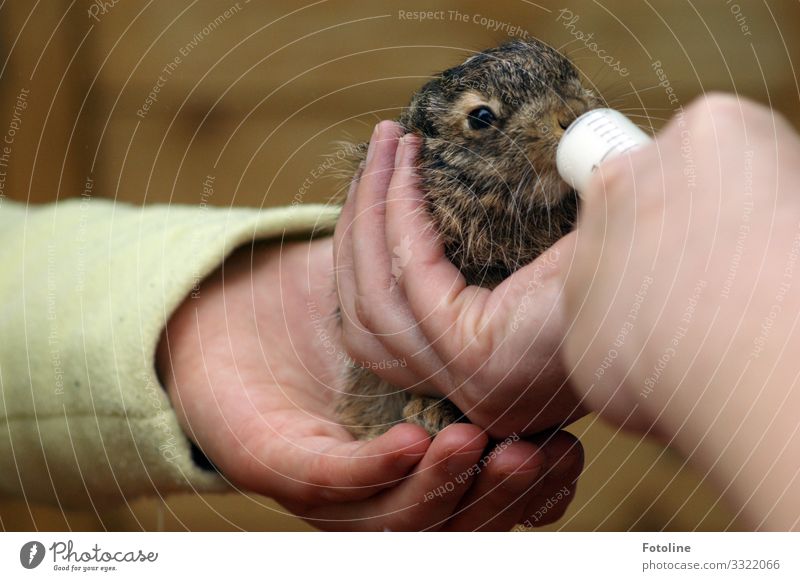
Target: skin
(459, 341)
(727, 397)
(253, 386)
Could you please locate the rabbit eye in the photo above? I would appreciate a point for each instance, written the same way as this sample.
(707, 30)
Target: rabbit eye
(481, 118)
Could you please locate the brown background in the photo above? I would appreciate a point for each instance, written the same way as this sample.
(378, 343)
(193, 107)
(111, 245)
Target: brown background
(261, 99)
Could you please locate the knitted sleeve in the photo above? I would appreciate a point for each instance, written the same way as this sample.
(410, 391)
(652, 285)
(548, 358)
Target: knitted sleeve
(87, 287)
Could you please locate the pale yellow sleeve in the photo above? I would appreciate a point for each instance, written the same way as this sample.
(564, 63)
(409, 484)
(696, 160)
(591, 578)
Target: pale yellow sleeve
(86, 287)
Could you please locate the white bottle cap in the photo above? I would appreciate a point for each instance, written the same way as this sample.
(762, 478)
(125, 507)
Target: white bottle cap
(592, 138)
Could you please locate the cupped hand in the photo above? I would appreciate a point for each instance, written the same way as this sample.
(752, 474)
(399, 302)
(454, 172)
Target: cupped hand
(408, 310)
(252, 365)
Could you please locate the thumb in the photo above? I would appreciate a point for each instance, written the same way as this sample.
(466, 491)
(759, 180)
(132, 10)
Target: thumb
(537, 284)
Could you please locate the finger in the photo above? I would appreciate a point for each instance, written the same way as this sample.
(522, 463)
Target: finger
(379, 308)
(361, 344)
(549, 504)
(428, 498)
(499, 497)
(565, 463)
(371, 257)
(533, 279)
(435, 288)
(550, 507)
(337, 471)
(343, 267)
(425, 500)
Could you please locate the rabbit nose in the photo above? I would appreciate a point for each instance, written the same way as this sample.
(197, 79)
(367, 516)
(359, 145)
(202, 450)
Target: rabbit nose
(569, 111)
(565, 118)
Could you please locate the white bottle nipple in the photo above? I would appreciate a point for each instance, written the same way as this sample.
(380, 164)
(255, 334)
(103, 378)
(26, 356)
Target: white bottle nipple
(592, 138)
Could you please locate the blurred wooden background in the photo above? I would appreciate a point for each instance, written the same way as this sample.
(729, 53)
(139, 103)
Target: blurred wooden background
(261, 91)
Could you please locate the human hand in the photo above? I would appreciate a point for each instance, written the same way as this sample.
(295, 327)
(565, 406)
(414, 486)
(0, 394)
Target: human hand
(682, 304)
(494, 354)
(251, 366)
(678, 231)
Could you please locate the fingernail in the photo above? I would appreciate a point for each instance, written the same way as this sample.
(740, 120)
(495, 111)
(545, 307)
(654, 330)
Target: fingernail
(372, 143)
(533, 464)
(399, 155)
(405, 156)
(531, 468)
(352, 189)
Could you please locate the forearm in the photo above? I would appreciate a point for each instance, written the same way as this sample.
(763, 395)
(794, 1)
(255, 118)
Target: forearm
(735, 420)
(87, 288)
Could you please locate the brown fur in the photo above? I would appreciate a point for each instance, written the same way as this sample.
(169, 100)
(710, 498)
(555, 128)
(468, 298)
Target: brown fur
(493, 193)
